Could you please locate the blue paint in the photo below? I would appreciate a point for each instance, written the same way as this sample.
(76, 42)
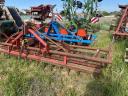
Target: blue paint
(55, 35)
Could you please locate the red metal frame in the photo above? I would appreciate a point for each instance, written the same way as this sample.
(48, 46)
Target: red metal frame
(58, 53)
(119, 32)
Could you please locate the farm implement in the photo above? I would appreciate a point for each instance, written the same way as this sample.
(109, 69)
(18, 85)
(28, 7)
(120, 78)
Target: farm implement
(54, 44)
(57, 32)
(80, 58)
(122, 28)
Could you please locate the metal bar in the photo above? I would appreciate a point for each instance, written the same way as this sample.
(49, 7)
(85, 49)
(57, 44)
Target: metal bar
(120, 23)
(74, 55)
(97, 54)
(88, 48)
(76, 61)
(82, 57)
(65, 59)
(53, 41)
(18, 37)
(120, 33)
(55, 62)
(38, 37)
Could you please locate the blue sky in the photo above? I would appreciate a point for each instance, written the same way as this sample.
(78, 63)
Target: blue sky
(107, 5)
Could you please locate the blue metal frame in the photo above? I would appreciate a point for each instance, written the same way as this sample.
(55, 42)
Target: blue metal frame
(70, 38)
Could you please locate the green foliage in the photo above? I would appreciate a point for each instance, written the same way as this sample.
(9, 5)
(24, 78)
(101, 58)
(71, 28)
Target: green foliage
(88, 8)
(100, 26)
(105, 13)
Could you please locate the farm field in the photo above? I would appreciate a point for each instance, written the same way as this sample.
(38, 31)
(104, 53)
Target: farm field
(19, 77)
